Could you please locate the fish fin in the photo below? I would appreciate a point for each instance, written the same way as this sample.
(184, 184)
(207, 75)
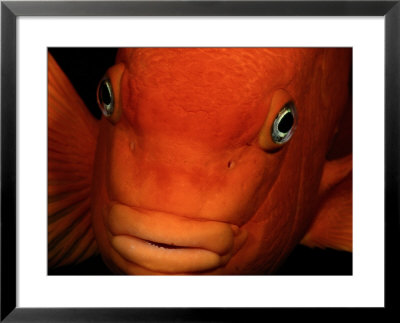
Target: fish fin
(334, 172)
(333, 225)
(72, 136)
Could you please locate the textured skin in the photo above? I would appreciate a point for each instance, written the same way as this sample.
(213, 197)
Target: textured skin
(186, 145)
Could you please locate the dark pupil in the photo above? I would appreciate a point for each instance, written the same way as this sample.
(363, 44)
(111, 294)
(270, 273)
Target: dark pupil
(286, 122)
(105, 95)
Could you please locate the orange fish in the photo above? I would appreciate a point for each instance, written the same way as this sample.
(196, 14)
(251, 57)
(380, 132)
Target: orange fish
(206, 160)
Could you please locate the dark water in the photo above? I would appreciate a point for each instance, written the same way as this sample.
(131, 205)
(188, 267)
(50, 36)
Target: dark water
(303, 261)
(85, 67)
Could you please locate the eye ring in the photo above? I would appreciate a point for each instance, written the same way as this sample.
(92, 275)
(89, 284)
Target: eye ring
(105, 97)
(284, 124)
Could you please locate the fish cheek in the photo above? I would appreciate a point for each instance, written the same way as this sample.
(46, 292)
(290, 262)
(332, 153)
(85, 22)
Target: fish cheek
(100, 197)
(284, 214)
(106, 169)
(121, 164)
(271, 231)
(270, 213)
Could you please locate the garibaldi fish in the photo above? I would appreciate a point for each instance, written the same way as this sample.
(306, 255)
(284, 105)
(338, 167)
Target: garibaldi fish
(205, 161)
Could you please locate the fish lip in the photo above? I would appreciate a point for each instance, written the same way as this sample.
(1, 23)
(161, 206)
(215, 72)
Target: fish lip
(163, 260)
(167, 243)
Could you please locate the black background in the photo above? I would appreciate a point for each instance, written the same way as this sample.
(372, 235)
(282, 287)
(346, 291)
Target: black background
(85, 67)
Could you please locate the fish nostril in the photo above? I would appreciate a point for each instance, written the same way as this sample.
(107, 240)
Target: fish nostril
(231, 164)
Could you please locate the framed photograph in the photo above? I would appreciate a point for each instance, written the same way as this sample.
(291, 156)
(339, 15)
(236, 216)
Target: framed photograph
(65, 65)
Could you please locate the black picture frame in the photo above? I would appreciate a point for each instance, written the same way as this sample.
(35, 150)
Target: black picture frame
(10, 10)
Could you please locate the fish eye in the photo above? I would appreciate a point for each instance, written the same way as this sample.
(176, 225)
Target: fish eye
(284, 124)
(105, 97)
(280, 122)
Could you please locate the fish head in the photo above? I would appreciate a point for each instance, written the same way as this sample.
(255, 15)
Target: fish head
(210, 160)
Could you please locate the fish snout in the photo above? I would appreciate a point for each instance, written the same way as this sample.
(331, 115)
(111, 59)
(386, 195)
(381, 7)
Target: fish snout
(168, 243)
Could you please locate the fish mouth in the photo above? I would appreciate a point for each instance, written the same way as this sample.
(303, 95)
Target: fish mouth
(171, 244)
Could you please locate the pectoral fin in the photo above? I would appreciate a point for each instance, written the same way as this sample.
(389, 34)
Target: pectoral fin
(333, 225)
(72, 135)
